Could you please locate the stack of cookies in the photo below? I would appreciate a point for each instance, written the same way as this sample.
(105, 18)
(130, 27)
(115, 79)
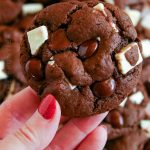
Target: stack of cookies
(129, 124)
(15, 16)
(89, 54)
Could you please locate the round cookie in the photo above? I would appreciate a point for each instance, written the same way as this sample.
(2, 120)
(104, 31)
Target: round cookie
(86, 54)
(135, 140)
(130, 3)
(10, 40)
(9, 10)
(28, 12)
(132, 110)
(11, 77)
(45, 2)
(139, 12)
(24, 22)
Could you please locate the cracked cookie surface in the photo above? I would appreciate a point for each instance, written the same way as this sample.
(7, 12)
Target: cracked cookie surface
(77, 52)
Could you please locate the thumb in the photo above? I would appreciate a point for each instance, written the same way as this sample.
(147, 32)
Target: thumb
(38, 131)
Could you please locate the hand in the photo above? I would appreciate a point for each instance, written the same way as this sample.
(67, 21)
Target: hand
(25, 124)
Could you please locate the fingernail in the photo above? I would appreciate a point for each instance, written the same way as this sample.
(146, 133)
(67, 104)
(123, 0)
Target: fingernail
(47, 107)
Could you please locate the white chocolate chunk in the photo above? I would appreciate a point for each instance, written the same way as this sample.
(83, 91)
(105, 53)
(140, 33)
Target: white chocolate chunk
(114, 27)
(3, 75)
(137, 98)
(100, 7)
(72, 87)
(145, 11)
(31, 8)
(52, 58)
(147, 109)
(134, 90)
(36, 38)
(51, 62)
(146, 48)
(135, 15)
(145, 22)
(123, 64)
(123, 102)
(145, 125)
(110, 1)
(98, 39)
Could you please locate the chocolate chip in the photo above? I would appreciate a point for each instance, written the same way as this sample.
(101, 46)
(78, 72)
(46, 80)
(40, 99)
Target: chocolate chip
(46, 54)
(104, 88)
(115, 119)
(34, 68)
(59, 41)
(132, 55)
(87, 48)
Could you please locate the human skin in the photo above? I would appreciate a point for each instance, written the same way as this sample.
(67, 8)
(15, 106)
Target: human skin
(27, 124)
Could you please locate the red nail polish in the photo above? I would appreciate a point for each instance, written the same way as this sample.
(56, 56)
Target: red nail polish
(48, 107)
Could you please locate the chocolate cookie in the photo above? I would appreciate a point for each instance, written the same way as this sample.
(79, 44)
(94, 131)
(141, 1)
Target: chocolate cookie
(132, 110)
(24, 22)
(9, 52)
(137, 139)
(124, 3)
(139, 12)
(45, 2)
(84, 53)
(9, 87)
(133, 141)
(9, 10)
(29, 10)
(11, 76)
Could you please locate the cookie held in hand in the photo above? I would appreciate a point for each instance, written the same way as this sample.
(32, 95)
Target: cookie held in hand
(84, 53)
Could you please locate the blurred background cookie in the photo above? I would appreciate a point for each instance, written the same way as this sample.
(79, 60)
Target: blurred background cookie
(9, 10)
(92, 53)
(11, 77)
(124, 119)
(124, 122)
